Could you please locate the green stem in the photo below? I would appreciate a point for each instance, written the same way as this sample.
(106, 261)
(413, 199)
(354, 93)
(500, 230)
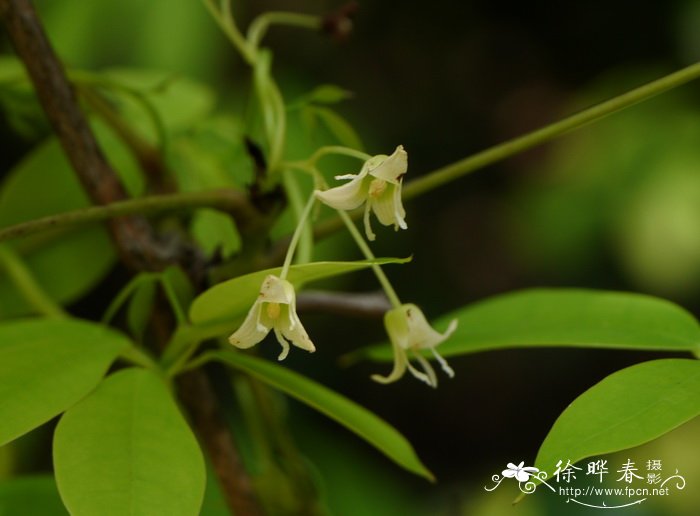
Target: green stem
(136, 356)
(280, 128)
(184, 343)
(359, 239)
(224, 18)
(197, 362)
(337, 149)
(32, 292)
(261, 77)
(512, 147)
(297, 234)
(507, 149)
(272, 107)
(258, 28)
(230, 201)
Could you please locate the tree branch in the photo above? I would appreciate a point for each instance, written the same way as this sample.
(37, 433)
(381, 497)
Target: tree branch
(135, 240)
(196, 392)
(230, 201)
(354, 304)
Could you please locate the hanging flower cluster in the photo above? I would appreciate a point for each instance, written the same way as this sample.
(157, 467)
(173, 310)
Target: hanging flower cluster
(378, 186)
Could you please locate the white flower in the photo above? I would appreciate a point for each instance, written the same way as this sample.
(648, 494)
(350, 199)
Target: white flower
(409, 331)
(275, 309)
(379, 184)
(520, 473)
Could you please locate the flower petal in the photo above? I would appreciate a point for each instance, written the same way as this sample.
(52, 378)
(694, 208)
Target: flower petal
(251, 331)
(276, 290)
(399, 212)
(347, 196)
(400, 363)
(383, 206)
(392, 168)
(283, 343)
(293, 330)
(368, 227)
(422, 335)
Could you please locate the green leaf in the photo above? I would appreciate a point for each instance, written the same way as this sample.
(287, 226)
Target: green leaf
(567, 317)
(626, 409)
(176, 281)
(120, 157)
(67, 264)
(83, 33)
(356, 418)
(327, 94)
(33, 496)
(140, 307)
(215, 230)
(46, 366)
(235, 296)
(126, 449)
(179, 101)
(211, 154)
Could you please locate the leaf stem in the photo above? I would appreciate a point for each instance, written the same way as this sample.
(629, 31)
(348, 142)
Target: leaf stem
(138, 357)
(185, 341)
(509, 148)
(197, 362)
(224, 18)
(259, 26)
(28, 287)
(337, 149)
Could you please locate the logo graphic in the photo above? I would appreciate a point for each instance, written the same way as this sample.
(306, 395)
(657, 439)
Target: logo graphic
(632, 483)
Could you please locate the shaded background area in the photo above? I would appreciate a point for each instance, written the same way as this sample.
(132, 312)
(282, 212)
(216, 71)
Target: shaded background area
(614, 206)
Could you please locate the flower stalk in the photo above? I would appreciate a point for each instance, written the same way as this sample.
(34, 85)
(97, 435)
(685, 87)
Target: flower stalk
(454, 171)
(367, 252)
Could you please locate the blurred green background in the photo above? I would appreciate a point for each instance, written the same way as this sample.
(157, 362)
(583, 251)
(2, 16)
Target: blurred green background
(615, 205)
